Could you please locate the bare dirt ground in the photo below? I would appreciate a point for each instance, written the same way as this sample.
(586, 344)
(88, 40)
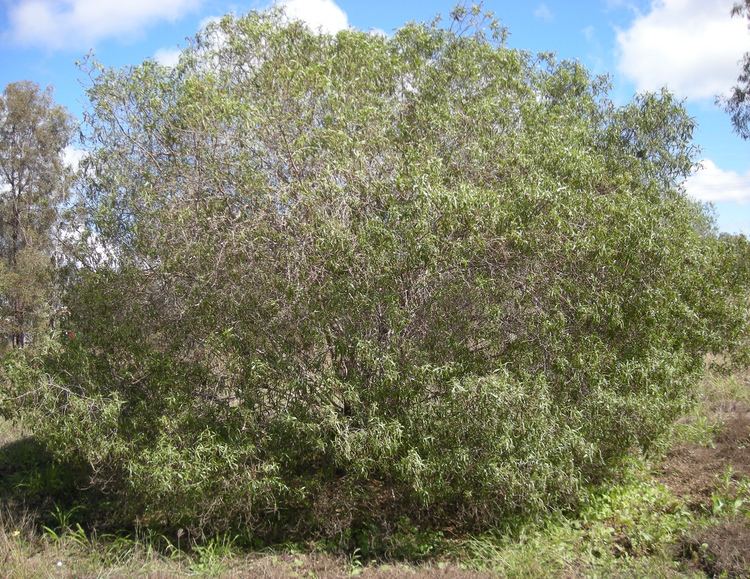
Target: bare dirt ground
(691, 470)
(706, 478)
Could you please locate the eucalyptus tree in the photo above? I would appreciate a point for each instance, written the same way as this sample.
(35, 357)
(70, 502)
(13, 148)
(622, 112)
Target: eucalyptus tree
(33, 183)
(355, 279)
(737, 103)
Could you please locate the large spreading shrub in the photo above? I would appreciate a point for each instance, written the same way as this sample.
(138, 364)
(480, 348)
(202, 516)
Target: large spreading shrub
(326, 282)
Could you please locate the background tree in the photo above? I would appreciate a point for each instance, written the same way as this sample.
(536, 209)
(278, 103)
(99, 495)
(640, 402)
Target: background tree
(737, 104)
(33, 183)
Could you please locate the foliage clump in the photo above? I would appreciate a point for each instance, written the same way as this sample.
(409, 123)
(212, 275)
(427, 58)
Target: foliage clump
(326, 282)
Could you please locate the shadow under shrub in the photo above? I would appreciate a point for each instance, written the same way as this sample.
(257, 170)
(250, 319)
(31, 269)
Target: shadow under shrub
(326, 282)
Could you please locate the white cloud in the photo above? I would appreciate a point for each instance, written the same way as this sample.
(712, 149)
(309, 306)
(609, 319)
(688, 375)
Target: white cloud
(208, 20)
(168, 56)
(320, 15)
(711, 183)
(73, 156)
(542, 12)
(75, 24)
(378, 32)
(171, 56)
(691, 46)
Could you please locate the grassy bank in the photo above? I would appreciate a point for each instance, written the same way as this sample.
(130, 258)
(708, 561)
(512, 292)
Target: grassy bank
(683, 511)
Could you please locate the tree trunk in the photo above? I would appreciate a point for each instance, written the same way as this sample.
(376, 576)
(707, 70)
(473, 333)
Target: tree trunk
(18, 337)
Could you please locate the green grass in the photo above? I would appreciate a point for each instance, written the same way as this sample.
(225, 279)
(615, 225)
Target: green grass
(628, 528)
(633, 527)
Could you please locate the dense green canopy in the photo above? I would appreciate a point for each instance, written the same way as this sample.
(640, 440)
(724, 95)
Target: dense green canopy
(327, 282)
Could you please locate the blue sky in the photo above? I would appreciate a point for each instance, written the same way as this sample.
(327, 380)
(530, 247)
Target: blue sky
(690, 46)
